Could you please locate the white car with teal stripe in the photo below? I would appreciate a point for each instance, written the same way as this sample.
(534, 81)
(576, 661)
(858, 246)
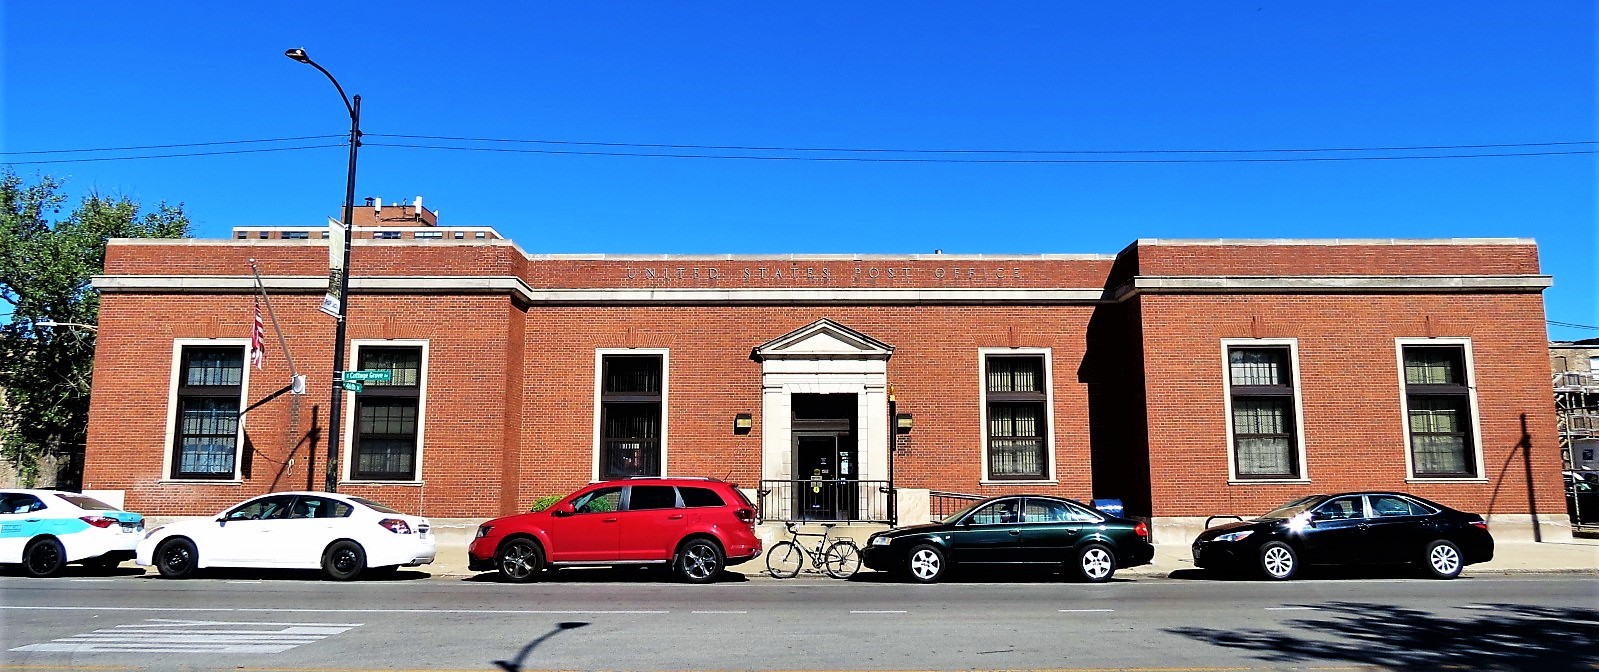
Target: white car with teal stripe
(45, 530)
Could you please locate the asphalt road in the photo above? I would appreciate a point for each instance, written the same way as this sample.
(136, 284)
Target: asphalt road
(637, 620)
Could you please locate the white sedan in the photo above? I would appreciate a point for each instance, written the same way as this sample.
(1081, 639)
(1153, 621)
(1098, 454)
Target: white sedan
(43, 530)
(340, 534)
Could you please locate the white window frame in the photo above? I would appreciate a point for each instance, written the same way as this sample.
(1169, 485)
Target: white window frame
(1050, 477)
(1299, 409)
(599, 382)
(348, 431)
(172, 411)
(1404, 411)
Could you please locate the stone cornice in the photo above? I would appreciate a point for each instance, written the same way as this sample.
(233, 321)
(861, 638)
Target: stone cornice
(1340, 284)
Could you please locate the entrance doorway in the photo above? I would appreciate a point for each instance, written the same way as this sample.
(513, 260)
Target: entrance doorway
(826, 460)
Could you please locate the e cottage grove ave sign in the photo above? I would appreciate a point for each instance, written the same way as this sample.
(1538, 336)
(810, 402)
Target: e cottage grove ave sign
(377, 376)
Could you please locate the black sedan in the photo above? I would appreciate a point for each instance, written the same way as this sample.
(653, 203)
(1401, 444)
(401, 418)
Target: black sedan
(1014, 530)
(1355, 528)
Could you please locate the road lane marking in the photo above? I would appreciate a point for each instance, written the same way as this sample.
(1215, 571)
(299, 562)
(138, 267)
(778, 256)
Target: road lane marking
(1083, 611)
(91, 580)
(290, 610)
(162, 635)
(878, 611)
(1293, 609)
(720, 612)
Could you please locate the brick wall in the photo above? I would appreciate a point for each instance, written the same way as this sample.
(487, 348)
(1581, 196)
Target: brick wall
(1138, 396)
(1354, 431)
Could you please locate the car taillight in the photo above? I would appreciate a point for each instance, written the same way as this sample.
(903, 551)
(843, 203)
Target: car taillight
(99, 521)
(1480, 524)
(745, 515)
(1141, 530)
(395, 525)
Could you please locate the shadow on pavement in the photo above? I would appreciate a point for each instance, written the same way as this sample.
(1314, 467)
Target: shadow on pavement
(637, 574)
(1500, 636)
(232, 574)
(521, 657)
(1329, 572)
(969, 575)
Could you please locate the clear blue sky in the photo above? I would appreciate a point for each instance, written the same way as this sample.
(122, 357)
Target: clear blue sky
(989, 76)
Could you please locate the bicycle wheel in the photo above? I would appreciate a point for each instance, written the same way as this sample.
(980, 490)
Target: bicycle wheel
(784, 559)
(843, 559)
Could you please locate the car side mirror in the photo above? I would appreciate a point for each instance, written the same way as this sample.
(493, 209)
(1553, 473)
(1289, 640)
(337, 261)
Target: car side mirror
(563, 511)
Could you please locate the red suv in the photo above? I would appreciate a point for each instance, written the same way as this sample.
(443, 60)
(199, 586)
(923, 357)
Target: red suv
(696, 525)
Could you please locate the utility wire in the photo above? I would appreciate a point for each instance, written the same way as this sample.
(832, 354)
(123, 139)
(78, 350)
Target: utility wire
(187, 144)
(986, 151)
(863, 159)
(168, 156)
(1571, 325)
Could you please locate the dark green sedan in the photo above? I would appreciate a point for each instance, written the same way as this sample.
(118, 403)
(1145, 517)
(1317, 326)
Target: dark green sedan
(1014, 530)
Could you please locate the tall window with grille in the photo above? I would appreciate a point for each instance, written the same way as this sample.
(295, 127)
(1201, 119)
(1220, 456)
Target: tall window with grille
(1260, 383)
(1438, 403)
(630, 416)
(387, 415)
(1018, 420)
(210, 390)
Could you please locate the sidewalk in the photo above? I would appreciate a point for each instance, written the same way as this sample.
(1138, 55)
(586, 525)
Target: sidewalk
(1575, 556)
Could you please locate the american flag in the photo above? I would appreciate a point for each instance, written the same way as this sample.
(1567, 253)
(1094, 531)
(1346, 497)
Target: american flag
(257, 339)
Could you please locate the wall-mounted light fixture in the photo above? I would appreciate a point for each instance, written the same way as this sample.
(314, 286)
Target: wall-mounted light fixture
(742, 423)
(902, 423)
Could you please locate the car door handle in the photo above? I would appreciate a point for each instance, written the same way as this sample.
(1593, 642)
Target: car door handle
(608, 520)
(675, 516)
(33, 520)
(1362, 527)
(1015, 533)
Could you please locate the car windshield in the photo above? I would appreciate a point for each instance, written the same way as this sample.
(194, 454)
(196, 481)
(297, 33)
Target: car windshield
(373, 505)
(88, 503)
(1292, 509)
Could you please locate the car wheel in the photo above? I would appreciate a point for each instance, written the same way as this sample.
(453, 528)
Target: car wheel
(700, 561)
(343, 560)
(1442, 560)
(1278, 561)
(176, 558)
(926, 564)
(784, 560)
(1095, 564)
(519, 560)
(43, 557)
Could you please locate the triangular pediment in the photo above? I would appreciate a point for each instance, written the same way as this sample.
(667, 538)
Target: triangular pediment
(824, 339)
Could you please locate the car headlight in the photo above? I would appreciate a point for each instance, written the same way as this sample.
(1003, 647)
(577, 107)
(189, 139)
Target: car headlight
(1235, 536)
(881, 541)
(483, 531)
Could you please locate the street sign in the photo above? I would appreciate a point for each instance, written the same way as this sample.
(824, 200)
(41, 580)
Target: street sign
(376, 376)
(354, 385)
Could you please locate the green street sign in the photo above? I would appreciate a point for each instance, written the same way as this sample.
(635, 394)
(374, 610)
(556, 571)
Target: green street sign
(376, 376)
(354, 385)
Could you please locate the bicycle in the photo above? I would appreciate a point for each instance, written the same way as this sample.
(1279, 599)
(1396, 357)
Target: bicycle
(840, 559)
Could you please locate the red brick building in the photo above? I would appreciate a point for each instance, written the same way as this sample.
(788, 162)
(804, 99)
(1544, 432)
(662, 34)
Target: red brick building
(1185, 378)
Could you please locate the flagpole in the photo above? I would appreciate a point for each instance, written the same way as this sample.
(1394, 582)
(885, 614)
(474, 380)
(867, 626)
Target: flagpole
(288, 357)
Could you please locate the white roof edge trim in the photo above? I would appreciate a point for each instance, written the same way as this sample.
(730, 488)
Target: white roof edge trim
(1330, 242)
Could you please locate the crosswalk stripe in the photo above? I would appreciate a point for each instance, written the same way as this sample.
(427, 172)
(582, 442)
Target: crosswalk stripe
(188, 636)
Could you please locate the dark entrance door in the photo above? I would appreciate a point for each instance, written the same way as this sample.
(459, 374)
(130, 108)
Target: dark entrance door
(825, 459)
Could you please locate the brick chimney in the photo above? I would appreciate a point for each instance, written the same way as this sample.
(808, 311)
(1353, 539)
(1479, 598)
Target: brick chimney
(375, 213)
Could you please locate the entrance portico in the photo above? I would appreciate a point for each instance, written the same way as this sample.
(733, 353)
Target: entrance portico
(828, 360)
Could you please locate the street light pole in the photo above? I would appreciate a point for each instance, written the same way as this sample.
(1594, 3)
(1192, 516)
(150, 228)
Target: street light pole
(331, 477)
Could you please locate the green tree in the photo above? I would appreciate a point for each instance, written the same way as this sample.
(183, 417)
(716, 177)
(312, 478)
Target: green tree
(45, 267)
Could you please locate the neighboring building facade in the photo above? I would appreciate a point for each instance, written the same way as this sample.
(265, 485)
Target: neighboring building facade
(1185, 378)
(1576, 381)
